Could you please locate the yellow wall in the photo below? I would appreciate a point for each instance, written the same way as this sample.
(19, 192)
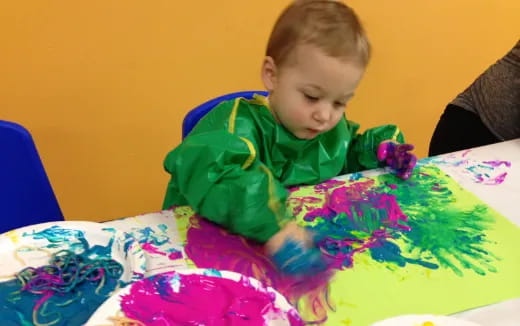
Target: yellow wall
(103, 85)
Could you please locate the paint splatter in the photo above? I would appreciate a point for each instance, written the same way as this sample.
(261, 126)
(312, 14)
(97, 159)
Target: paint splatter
(201, 300)
(491, 172)
(155, 241)
(426, 227)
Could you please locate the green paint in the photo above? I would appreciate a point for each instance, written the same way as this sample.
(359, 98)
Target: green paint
(475, 248)
(444, 230)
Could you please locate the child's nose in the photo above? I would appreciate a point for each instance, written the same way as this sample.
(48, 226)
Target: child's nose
(321, 115)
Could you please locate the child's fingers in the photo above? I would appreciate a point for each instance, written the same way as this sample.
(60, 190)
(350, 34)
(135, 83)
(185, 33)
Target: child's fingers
(293, 258)
(406, 171)
(405, 147)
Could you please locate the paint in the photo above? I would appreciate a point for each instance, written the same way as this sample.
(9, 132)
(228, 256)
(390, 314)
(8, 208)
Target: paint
(209, 246)
(357, 218)
(175, 299)
(155, 242)
(66, 291)
(426, 228)
(72, 308)
(423, 222)
(490, 172)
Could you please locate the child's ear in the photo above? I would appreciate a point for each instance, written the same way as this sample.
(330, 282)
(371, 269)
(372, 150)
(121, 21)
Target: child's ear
(269, 74)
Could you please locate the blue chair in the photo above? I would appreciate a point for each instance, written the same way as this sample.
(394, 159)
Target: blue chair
(26, 195)
(191, 119)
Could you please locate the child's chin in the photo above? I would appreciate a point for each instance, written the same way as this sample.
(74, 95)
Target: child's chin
(306, 135)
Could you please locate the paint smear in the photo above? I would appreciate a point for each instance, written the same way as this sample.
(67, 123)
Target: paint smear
(422, 222)
(209, 246)
(491, 172)
(428, 227)
(155, 242)
(175, 299)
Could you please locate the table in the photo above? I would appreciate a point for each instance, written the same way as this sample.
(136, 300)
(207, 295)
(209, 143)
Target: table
(499, 191)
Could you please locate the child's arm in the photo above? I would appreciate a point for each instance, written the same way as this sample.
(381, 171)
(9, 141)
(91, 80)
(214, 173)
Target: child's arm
(220, 176)
(217, 174)
(378, 147)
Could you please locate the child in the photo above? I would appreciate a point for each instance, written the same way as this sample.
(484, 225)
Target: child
(235, 165)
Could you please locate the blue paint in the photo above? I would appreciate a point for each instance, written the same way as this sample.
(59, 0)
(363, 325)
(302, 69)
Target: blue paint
(387, 251)
(212, 272)
(355, 176)
(148, 235)
(293, 258)
(163, 227)
(72, 308)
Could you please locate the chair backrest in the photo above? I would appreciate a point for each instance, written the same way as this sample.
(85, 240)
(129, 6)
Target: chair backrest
(26, 195)
(191, 119)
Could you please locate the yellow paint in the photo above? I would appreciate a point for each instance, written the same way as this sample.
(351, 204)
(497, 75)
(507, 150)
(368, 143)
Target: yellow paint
(346, 322)
(13, 235)
(103, 85)
(428, 323)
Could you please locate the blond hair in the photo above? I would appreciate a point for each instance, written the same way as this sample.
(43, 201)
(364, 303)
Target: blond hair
(329, 25)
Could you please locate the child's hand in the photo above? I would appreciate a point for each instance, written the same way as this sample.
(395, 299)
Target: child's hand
(293, 251)
(397, 156)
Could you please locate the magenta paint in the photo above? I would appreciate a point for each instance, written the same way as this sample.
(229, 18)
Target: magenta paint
(150, 248)
(209, 246)
(497, 163)
(193, 299)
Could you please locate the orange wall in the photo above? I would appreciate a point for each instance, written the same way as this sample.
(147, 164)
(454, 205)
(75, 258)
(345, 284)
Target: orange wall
(103, 85)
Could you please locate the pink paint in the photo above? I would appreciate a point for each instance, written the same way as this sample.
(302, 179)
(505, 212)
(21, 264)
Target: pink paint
(339, 260)
(357, 197)
(498, 163)
(298, 203)
(498, 180)
(175, 255)
(360, 204)
(150, 248)
(175, 299)
(329, 184)
(209, 246)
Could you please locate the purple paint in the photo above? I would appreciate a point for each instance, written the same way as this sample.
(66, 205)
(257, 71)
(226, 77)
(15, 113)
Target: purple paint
(175, 255)
(175, 299)
(497, 163)
(499, 179)
(329, 184)
(355, 199)
(356, 219)
(302, 202)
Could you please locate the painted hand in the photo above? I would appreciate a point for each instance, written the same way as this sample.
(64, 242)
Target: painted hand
(294, 252)
(398, 157)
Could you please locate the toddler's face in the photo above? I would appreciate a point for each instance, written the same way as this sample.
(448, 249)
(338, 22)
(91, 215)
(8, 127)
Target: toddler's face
(309, 93)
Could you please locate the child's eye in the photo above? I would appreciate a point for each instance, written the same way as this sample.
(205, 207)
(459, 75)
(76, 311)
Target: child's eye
(339, 105)
(311, 98)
